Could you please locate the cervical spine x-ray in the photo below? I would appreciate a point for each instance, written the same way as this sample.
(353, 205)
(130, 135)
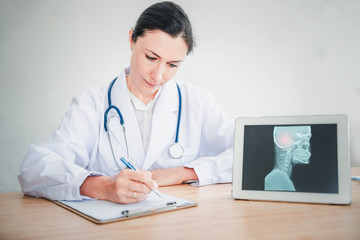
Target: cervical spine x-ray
(291, 158)
(291, 147)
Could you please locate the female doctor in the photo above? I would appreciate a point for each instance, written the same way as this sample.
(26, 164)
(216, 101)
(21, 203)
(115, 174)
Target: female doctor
(171, 132)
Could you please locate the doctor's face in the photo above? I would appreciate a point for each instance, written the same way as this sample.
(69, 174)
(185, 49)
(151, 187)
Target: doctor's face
(155, 59)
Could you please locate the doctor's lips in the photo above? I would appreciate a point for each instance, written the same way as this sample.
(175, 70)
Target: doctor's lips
(150, 84)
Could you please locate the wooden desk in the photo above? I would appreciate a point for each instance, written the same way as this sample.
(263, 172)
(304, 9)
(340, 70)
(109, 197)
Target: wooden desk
(217, 216)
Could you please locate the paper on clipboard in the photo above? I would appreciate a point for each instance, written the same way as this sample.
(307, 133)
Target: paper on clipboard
(101, 211)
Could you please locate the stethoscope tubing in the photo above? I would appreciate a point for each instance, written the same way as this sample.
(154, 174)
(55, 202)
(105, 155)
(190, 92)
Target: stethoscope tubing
(179, 115)
(122, 120)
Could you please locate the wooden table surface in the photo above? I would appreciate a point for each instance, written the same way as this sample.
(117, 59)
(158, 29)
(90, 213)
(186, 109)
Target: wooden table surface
(217, 216)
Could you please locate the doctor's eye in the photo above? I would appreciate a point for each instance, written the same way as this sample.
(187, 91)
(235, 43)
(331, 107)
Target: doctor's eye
(173, 65)
(150, 58)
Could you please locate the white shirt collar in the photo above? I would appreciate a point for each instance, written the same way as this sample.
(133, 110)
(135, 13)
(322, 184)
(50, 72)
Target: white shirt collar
(139, 105)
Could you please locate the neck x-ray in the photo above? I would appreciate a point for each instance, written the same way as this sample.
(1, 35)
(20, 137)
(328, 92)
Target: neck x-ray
(299, 158)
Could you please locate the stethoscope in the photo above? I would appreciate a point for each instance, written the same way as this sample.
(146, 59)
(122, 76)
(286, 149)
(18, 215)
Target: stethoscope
(175, 150)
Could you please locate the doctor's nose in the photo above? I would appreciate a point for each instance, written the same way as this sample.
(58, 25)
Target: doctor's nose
(158, 73)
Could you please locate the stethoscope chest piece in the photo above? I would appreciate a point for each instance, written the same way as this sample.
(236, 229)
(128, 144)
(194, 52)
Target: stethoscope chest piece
(176, 150)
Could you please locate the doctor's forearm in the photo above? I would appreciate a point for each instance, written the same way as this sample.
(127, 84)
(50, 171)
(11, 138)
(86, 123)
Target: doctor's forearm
(94, 187)
(173, 176)
(188, 174)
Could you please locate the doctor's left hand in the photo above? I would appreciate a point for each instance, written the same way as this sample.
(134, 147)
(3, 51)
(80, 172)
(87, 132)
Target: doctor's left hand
(126, 187)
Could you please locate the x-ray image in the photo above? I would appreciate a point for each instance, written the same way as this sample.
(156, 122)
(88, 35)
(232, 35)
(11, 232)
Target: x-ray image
(299, 158)
(291, 147)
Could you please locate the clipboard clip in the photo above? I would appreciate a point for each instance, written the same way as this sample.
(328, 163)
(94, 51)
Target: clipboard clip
(169, 206)
(134, 213)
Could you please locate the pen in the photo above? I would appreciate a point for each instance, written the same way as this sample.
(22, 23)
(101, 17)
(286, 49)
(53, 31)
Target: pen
(356, 178)
(130, 166)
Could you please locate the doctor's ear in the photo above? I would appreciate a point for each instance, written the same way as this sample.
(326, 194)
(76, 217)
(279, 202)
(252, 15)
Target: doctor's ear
(131, 40)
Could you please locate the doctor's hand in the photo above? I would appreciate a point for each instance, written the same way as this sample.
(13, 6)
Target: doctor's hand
(128, 186)
(173, 176)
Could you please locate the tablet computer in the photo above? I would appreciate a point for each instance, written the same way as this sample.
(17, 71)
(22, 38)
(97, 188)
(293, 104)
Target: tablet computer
(293, 159)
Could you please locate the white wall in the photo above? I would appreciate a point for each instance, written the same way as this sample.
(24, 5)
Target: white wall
(257, 57)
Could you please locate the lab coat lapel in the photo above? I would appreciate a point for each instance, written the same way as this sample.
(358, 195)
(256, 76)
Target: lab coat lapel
(163, 123)
(121, 99)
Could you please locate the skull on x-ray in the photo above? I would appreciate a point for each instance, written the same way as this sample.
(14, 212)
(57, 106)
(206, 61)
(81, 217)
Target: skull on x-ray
(292, 146)
(293, 143)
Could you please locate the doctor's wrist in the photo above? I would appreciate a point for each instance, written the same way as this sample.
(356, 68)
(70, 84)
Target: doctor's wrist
(93, 187)
(189, 174)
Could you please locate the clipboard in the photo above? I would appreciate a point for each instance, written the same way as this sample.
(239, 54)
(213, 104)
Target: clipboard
(102, 211)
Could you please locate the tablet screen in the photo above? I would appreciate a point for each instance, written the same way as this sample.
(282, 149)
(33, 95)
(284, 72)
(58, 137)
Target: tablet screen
(300, 158)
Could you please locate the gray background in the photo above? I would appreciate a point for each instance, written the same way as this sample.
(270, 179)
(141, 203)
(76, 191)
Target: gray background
(258, 57)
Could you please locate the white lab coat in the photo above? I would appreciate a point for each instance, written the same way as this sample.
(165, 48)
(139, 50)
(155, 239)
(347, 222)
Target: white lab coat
(80, 147)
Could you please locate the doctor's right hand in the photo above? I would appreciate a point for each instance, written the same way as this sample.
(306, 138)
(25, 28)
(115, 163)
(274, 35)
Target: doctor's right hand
(128, 186)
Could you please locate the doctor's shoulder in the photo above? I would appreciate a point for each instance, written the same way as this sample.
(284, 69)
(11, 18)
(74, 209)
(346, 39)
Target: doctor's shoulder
(198, 95)
(86, 106)
(92, 98)
(194, 92)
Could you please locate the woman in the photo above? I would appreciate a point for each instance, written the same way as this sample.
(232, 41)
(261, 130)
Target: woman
(82, 157)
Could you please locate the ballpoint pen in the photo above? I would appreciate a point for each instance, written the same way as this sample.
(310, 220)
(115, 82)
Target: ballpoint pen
(130, 166)
(356, 178)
